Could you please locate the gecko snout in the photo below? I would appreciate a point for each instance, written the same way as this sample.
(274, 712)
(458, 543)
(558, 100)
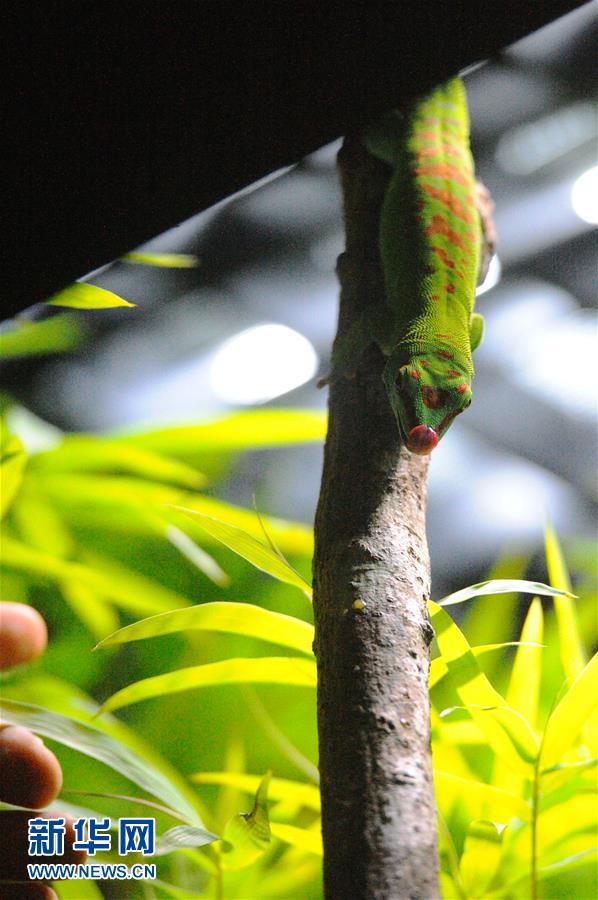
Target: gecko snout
(422, 439)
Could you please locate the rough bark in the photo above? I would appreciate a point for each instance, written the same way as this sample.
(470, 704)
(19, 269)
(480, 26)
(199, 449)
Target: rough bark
(372, 577)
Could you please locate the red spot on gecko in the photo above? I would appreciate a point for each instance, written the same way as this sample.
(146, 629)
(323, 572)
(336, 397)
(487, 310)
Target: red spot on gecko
(454, 373)
(444, 354)
(423, 363)
(445, 337)
(414, 373)
(461, 388)
(443, 170)
(434, 398)
(435, 297)
(450, 288)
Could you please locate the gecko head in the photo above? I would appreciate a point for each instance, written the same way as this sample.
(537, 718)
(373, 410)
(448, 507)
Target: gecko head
(426, 395)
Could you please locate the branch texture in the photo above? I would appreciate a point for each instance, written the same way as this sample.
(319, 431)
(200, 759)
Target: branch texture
(372, 577)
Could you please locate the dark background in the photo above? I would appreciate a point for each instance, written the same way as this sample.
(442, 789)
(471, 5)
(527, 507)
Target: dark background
(122, 120)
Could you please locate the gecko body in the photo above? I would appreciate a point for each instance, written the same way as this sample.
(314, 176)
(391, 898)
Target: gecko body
(430, 242)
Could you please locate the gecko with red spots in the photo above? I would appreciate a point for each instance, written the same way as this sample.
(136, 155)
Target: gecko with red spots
(433, 234)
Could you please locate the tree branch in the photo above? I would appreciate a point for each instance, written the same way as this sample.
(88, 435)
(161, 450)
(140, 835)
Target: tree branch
(372, 577)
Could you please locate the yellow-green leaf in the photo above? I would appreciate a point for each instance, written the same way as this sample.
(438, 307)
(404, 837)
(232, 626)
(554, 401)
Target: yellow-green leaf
(81, 295)
(54, 335)
(242, 431)
(572, 653)
(88, 453)
(481, 855)
(263, 670)
(301, 838)
(438, 667)
(247, 835)
(127, 589)
(12, 466)
(482, 800)
(231, 618)
(565, 723)
(509, 735)
(503, 586)
(163, 260)
(245, 545)
(280, 788)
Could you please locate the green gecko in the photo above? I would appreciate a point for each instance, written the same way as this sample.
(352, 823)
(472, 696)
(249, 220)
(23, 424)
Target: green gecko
(431, 239)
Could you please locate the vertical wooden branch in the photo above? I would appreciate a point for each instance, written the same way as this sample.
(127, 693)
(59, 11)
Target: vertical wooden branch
(372, 577)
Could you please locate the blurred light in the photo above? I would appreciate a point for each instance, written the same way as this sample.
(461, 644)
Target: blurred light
(584, 196)
(261, 363)
(492, 276)
(527, 148)
(515, 498)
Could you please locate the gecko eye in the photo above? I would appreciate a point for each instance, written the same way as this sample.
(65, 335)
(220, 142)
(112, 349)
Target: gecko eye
(434, 398)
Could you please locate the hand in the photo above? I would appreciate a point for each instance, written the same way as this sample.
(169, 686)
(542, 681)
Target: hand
(30, 774)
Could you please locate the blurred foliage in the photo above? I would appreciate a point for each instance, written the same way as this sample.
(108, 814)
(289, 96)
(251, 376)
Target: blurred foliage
(119, 540)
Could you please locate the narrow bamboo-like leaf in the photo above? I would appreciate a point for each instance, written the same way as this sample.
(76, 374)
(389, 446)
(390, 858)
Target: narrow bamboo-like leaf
(197, 556)
(508, 734)
(245, 545)
(502, 586)
(524, 685)
(247, 835)
(565, 723)
(241, 431)
(88, 453)
(585, 861)
(263, 670)
(438, 668)
(55, 335)
(162, 260)
(12, 466)
(92, 742)
(481, 855)
(77, 890)
(232, 618)
(81, 295)
(129, 590)
(571, 649)
(523, 692)
(280, 788)
(482, 800)
(301, 838)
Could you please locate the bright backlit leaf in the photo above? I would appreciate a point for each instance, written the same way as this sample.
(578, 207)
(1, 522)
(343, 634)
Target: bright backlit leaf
(262, 670)
(81, 295)
(301, 838)
(231, 618)
(502, 586)
(482, 800)
(245, 545)
(572, 653)
(162, 260)
(54, 335)
(280, 788)
(481, 855)
(564, 725)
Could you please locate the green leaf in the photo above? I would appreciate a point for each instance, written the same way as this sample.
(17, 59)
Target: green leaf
(438, 667)
(81, 295)
(54, 335)
(263, 670)
(482, 800)
(245, 545)
(301, 838)
(565, 723)
(231, 618)
(253, 429)
(502, 586)
(284, 789)
(127, 589)
(509, 735)
(523, 692)
(97, 616)
(98, 745)
(572, 653)
(12, 465)
(481, 855)
(247, 835)
(87, 453)
(163, 260)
